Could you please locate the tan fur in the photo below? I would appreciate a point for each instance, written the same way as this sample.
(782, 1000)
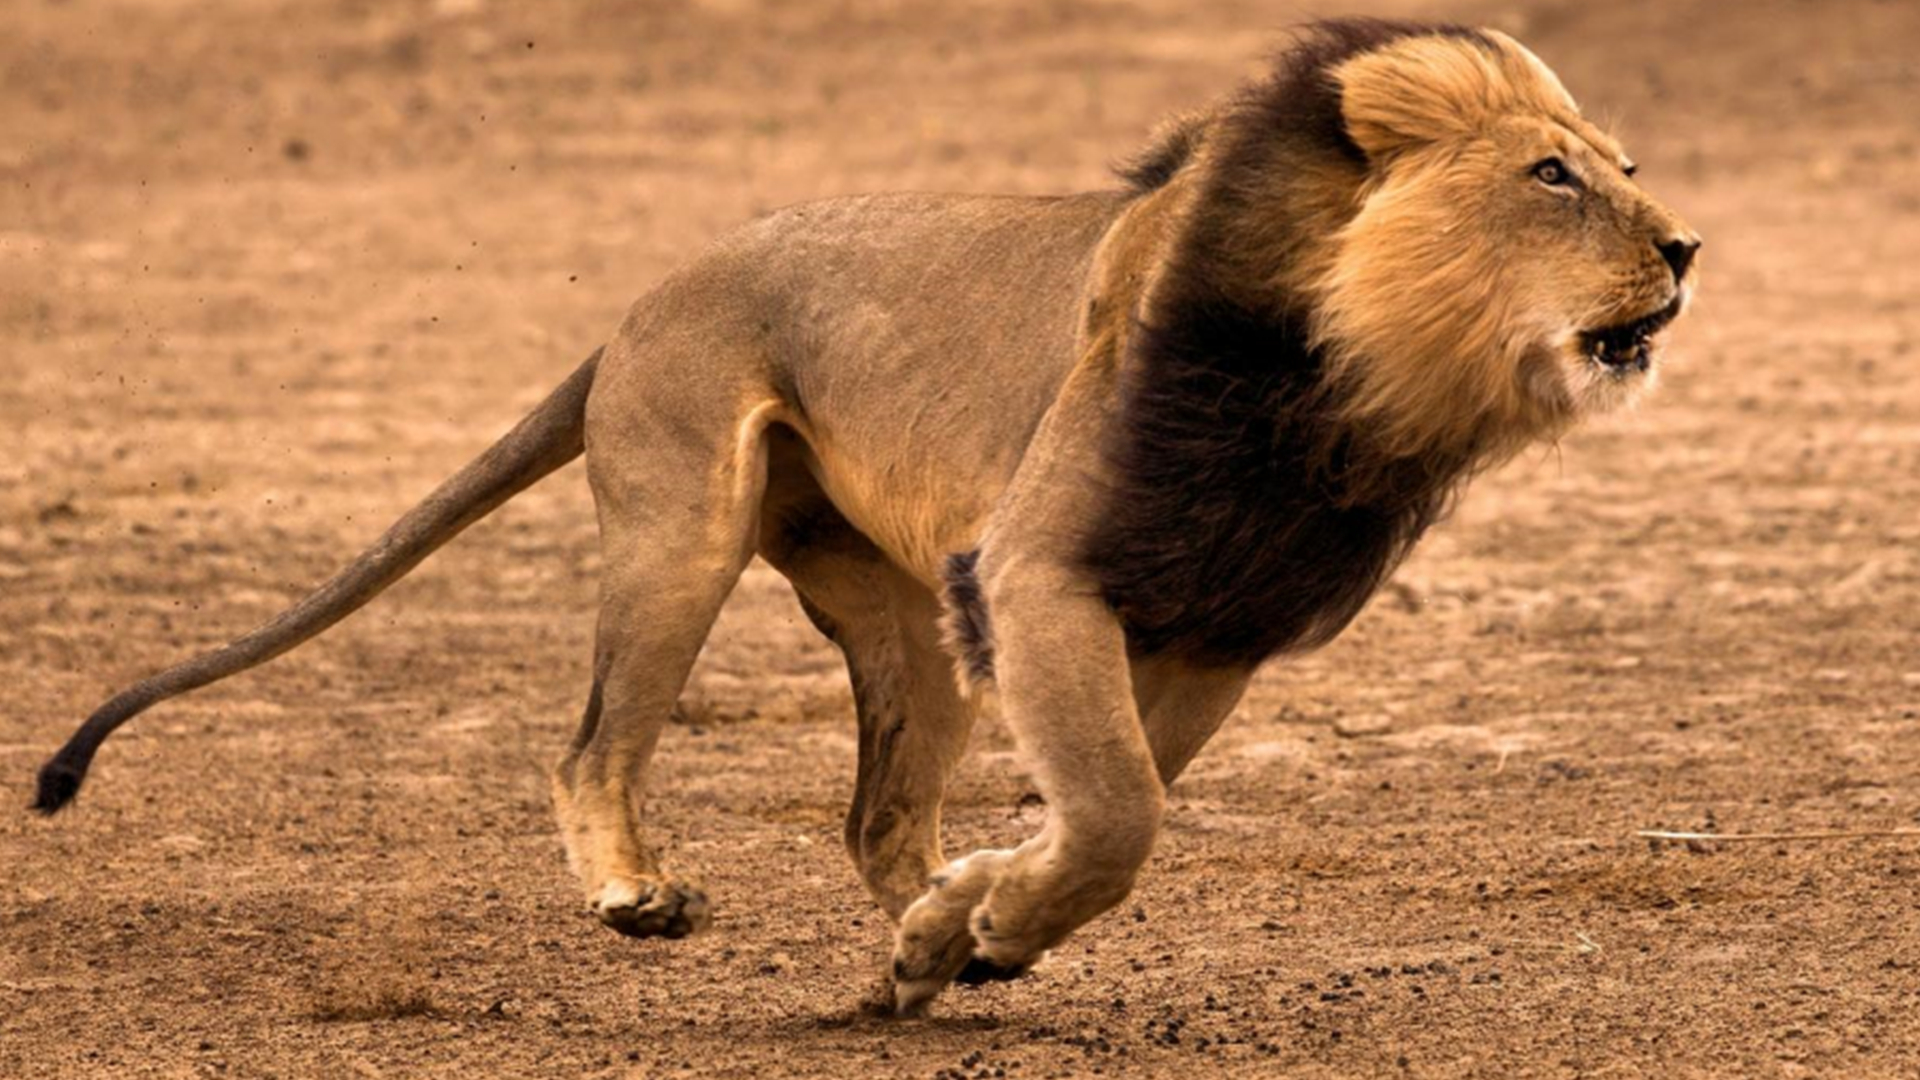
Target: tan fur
(859, 389)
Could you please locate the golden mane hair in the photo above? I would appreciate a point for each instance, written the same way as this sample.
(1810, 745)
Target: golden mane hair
(1420, 323)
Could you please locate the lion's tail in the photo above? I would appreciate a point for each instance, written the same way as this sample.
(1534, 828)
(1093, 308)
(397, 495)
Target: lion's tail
(552, 435)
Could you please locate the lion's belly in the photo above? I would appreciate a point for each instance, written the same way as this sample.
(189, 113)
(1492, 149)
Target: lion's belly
(918, 470)
(924, 338)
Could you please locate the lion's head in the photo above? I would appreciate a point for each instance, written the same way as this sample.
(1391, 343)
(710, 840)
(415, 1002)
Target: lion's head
(1397, 260)
(1503, 273)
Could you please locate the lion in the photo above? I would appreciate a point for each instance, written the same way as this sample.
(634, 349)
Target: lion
(1102, 453)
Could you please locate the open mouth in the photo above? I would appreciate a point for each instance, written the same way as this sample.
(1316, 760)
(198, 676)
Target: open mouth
(1626, 348)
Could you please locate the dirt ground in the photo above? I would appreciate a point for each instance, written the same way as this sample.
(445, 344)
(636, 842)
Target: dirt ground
(270, 269)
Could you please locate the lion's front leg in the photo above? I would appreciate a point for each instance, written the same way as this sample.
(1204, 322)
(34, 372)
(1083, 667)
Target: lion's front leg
(1061, 666)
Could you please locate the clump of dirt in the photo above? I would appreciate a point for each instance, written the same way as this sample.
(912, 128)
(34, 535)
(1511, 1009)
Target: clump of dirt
(359, 1006)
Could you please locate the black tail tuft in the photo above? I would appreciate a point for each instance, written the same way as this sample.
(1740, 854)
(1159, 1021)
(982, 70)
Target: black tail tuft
(59, 783)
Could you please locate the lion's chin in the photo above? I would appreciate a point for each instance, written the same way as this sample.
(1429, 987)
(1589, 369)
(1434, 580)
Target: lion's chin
(1566, 384)
(1588, 387)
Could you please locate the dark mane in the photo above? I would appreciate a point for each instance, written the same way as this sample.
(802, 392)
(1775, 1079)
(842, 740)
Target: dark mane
(1172, 146)
(1245, 518)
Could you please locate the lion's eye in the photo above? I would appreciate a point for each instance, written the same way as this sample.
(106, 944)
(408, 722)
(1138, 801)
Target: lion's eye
(1552, 172)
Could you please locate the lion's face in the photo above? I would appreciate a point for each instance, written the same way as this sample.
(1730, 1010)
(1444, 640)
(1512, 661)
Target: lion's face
(1504, 273)
(1605, 267)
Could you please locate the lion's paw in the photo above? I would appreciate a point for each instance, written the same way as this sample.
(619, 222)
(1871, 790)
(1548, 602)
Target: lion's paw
(934, 945)
(644, 909)
(995, 950)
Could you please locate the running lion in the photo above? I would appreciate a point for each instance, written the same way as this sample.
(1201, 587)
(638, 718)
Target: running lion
(1106, 452)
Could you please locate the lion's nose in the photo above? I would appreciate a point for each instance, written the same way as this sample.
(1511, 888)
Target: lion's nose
(1679, 253)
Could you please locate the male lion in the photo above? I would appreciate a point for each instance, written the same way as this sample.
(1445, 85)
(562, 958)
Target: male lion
(1112, 450)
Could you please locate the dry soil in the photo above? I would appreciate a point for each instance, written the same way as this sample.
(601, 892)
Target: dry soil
(270, 269)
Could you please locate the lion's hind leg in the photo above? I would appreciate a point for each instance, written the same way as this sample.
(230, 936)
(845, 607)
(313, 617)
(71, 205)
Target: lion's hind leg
(914, 719)
(597, 785)
(914, 723)
(677, 520)
(596, 795)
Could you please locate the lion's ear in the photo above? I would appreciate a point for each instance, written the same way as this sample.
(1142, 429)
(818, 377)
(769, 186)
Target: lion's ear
(1415, 92)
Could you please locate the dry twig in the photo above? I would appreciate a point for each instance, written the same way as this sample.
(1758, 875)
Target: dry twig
(1861, 834)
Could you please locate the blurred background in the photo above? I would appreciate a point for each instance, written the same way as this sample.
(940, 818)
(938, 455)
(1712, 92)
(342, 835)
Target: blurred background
(270, 269)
